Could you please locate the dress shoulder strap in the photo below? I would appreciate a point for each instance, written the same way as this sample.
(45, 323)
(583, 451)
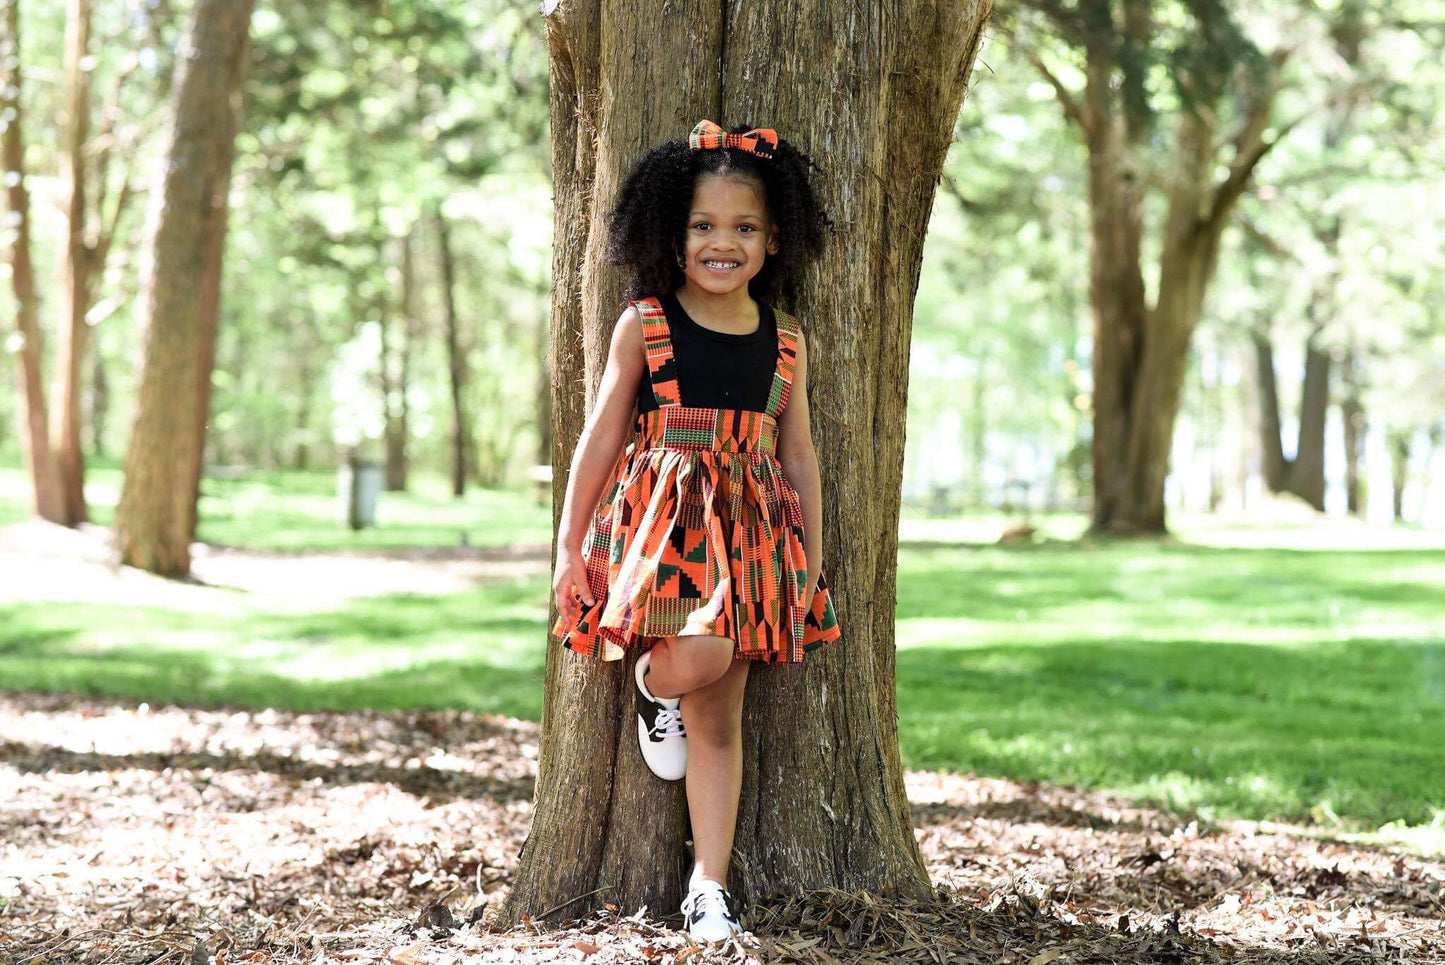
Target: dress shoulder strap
(657, 338)
(788, 329)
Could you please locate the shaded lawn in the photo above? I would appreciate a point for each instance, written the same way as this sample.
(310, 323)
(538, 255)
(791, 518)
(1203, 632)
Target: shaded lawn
(469, 651)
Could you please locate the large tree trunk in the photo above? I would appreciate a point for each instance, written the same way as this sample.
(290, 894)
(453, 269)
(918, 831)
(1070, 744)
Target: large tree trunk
(34, 429)
(1140, 350)
(156, 516)
(1140, 371)
(823, 801)
(76, 265)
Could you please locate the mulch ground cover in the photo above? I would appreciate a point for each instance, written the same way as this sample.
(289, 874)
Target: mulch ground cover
(138, 834)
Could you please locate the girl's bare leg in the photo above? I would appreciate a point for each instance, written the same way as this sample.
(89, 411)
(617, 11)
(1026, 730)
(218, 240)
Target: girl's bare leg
(682, 664)
(713, 717)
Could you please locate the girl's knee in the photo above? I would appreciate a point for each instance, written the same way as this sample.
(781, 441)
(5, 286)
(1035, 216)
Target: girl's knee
(703, 659)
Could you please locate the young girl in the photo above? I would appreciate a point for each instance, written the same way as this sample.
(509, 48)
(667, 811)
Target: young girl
(704, 553)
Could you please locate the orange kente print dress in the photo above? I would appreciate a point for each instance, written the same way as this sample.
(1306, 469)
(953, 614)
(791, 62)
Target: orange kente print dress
(700, 531)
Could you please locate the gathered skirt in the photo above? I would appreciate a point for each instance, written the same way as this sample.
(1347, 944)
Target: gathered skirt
(692, 539)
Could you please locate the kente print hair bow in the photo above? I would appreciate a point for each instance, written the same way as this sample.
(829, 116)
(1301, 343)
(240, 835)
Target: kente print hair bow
(762, 141)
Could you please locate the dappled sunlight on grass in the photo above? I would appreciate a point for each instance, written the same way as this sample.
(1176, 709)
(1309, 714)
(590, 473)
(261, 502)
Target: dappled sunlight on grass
(1253, 683)
(478, 651)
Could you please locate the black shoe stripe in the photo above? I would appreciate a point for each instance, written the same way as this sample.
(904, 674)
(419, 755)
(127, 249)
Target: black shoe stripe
(648, 710)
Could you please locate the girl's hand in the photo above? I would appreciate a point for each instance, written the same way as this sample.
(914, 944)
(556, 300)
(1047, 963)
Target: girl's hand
(570, 583)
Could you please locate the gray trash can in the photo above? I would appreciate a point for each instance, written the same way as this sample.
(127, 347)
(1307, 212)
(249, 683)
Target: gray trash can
(358, 485)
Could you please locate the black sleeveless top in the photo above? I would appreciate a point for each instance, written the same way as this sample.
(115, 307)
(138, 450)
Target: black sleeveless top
(716, 370)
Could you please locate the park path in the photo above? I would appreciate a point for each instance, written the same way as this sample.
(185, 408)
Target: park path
(130, 832)
(40, 561)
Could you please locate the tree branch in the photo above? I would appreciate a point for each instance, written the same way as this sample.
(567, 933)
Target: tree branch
(1249, 146)
(1265, 240)
(1067, 99)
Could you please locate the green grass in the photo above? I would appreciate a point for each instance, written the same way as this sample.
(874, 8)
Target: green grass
(1269, 683)
(1254, 683)
(476, 651)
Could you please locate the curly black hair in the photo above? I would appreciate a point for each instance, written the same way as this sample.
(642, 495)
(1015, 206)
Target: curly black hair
(647, 225)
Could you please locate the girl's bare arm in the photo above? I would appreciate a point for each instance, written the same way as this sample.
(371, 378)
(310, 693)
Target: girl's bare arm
(800, 463)
(606, 430)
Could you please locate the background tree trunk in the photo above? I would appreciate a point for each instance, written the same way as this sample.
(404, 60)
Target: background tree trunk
(1307, 473)
(456, 360)
(1140, 350)
(34, 430)
(76, 265)
(1273, 462)
(1304, 474)
(156, 516)
(823, 801)
(1352, 412)
(1399, 444)
(398, 413)
(543, 405)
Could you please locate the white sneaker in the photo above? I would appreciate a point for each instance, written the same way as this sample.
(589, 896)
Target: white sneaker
(707, 912)
(659, 728)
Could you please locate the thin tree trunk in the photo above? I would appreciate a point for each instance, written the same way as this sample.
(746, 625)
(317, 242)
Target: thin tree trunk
(48, 500)
(456, 362)
(1273, 462)
(1399, 443)
(398, 413)
(978, 432)
(156, 516)
(301, 455)
(99, 404)
(75, 265)
(1307, 469)
(823, 801)
(1304, 474)
(1352, 412)
(543, 405)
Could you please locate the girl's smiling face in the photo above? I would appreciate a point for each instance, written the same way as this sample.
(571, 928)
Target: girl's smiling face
(728, 235)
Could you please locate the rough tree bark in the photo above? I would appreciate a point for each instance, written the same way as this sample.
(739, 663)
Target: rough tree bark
(34, 430)
(181, 292)
(872, 93)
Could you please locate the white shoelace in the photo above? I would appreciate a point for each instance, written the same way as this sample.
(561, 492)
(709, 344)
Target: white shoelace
(669, 723)
(706, 900)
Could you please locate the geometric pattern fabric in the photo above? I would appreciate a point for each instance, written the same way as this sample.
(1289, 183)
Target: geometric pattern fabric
(699, 530)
